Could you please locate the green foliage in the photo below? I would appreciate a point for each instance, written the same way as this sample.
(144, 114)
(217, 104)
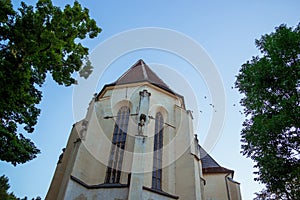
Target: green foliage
(5, 195)
(267, 195)
(4, 186)
(34, 42)
(271, 132)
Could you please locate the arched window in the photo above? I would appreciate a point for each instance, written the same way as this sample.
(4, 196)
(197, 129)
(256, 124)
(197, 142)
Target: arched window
(113, 172)
(157, 152)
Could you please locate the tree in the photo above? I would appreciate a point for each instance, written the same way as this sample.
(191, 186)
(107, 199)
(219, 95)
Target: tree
(4, 186)
(34, 42)
(271, 132)
(5, 195)
(267, 195)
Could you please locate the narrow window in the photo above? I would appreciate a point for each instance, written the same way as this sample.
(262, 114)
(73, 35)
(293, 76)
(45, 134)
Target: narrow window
(113, 172)
(157, 154)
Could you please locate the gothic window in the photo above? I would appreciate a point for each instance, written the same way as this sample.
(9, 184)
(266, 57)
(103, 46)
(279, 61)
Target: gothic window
(113, 172)
(157, 152)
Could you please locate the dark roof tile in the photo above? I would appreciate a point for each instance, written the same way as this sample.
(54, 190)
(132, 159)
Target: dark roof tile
(209, 165)
(140, 72)
(207, 160)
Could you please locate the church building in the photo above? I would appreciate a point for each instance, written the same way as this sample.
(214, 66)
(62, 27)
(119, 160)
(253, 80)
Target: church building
(137, 143)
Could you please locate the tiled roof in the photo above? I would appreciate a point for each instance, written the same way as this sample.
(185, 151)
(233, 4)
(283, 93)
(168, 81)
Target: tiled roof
(209, 165)
(141, 72)
(207, 160)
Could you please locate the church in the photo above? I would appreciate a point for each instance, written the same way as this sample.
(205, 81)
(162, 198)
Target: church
(137, 142)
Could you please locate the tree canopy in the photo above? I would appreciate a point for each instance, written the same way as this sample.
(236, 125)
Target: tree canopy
(34, 42)
(5, 195)
(270, 84)
(4, 186)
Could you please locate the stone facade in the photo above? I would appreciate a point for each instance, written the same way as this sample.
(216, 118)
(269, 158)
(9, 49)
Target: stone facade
(137, 142)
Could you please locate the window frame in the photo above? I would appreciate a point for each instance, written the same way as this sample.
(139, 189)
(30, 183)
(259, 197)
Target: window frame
(114, 168)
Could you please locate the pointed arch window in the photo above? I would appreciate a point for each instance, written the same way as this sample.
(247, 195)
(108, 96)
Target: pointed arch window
(157, 152)
(113, 172)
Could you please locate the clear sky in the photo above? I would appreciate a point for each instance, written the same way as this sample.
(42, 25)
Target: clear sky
(225, 29)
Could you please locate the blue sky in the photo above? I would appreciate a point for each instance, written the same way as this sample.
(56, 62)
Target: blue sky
(225, 29)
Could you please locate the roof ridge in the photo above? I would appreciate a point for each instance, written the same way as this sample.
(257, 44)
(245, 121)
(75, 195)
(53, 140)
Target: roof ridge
(147, 67)
(128, 70)
(140, 72)
(144, 71)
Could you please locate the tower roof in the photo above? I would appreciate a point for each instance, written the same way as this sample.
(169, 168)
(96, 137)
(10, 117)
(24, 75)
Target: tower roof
(140, 72)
